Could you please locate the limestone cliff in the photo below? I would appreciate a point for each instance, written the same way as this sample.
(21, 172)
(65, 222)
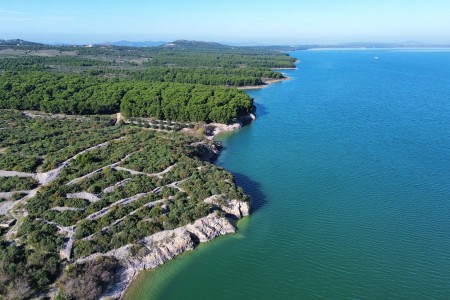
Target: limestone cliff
(163, 246)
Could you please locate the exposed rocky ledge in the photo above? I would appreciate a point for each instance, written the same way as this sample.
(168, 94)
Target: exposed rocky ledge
(213, 129)
(207, 150)
(165, 245)
(234, 208)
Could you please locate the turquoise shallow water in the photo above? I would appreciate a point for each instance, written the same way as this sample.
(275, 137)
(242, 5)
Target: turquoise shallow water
(348, 164)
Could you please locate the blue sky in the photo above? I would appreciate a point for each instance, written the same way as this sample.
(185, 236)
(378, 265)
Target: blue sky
(238, 21)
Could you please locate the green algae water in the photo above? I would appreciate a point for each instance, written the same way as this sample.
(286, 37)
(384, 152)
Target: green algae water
(348, 165)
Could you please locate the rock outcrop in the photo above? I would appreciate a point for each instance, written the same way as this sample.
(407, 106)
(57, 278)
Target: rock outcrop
(213, 129)
(84, 195)
(208, 151)
(237, 209)
(163, 246)
(207, 228)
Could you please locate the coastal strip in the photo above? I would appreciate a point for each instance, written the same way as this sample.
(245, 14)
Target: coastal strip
(166, 245)
(266, 84)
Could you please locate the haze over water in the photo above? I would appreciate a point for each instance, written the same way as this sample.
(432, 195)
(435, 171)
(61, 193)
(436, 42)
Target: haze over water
(348, 164)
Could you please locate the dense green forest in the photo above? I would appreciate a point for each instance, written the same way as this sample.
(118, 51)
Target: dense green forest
(77, 94)
(186, 102)
(207, 76)
(184, 81)
(56, 93)
(194, 75)
(177, 54)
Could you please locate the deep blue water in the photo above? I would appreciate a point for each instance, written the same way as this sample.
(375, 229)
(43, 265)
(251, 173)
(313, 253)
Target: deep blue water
(348, 165)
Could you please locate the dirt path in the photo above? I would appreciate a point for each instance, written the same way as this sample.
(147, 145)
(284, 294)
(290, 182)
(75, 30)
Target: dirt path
(133, 172)
(43, 179)
(125, 201)
(153, 203)
(113, 187)
(111, 166)
(46, 178)
(83, 195)
(15, 173)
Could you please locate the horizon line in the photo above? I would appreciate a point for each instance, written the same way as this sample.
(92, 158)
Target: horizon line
(243, 44)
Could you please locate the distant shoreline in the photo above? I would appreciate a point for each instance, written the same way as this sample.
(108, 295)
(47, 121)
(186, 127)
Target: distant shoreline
(266, 83)
(274, 69)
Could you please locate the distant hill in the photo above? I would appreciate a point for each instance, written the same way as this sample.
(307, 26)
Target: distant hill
(125, 43)
(185, 44)
(413, 44)
(213, 46)
(17, 42)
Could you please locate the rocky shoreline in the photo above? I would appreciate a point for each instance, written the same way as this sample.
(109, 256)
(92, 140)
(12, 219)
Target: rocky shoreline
(165, 245)
(213, 129)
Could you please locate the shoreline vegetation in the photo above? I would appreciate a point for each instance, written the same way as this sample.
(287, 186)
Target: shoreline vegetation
(88, 198)
(266, 83)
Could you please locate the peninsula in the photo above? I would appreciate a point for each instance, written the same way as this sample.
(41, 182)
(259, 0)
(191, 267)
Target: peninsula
(106, 159)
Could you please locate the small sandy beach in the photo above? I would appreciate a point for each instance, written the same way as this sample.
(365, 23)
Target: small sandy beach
(266, 83)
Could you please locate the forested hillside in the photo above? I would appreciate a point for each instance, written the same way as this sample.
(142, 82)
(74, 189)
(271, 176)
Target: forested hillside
(82, 192)
(185, 81)
(77, 94)
(71, 187)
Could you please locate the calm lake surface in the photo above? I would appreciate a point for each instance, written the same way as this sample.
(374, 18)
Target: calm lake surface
(348, 165)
